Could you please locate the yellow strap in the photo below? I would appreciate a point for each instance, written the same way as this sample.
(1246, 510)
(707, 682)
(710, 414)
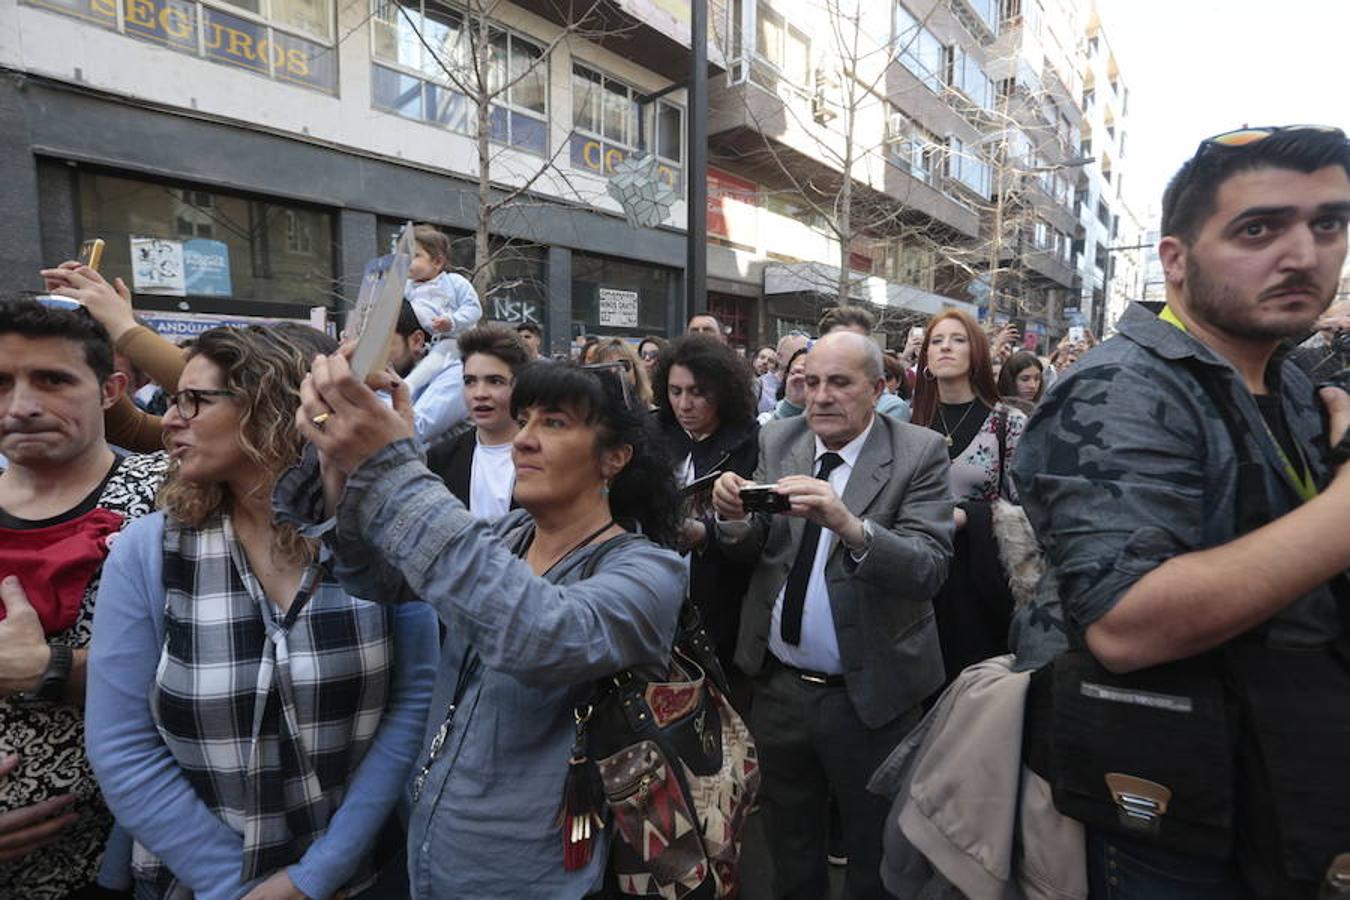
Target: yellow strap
(1299, 475)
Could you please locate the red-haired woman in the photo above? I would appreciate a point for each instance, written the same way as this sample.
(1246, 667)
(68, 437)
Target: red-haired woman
(954, 394)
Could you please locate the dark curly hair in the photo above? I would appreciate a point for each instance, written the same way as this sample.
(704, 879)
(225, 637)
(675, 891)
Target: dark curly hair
(720, 372)
(645, 490)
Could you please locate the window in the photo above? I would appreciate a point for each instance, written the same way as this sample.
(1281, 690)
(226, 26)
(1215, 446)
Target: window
(918, 49)
(967, 168)
(914, 266)
(425, 61)
(783, 46)
(218, 244)
(609, 124)
(912, 147)
(248, 37)
(1041, 235)
(964, 74)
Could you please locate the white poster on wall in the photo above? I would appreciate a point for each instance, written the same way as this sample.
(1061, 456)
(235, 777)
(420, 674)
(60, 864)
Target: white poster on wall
(157, 267)
(618, 309)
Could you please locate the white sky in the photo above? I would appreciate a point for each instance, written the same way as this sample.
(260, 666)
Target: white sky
(1195, 68)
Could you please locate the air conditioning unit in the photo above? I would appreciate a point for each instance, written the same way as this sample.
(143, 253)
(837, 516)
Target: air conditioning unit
(897, 126)
(821, 108)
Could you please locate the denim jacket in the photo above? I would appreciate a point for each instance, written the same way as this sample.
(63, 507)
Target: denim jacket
(1127, 463)
(485, 823)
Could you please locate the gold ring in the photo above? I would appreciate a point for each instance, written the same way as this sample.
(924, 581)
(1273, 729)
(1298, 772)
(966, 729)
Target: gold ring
(320, 419)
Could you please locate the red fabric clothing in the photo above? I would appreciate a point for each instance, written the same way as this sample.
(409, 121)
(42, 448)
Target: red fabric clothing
(54, 564)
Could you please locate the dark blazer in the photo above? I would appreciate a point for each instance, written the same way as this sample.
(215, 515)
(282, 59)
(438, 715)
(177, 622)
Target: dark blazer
(882, 606)
(451, 460)
(717, 582)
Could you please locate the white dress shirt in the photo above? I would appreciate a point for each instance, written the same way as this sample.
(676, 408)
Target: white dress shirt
(819, 649)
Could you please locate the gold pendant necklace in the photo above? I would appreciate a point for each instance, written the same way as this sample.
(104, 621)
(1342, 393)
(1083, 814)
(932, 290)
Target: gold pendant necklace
(947, 432)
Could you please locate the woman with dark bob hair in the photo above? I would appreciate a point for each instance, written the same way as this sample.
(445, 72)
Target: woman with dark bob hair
(705, 403)
(537, 606)
(251, 723)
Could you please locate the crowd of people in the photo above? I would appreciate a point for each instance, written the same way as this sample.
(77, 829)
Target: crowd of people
(995, 624)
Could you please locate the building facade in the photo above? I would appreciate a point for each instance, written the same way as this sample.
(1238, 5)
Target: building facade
(249, 157)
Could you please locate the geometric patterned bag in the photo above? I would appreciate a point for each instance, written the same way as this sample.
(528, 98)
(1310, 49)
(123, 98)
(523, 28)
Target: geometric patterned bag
(677, 769)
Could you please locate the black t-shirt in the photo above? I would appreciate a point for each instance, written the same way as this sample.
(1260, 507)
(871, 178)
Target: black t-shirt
(79, 509)
(964, 421)
(1269, 404)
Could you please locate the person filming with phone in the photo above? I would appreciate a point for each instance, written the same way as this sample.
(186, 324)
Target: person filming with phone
(837, 625)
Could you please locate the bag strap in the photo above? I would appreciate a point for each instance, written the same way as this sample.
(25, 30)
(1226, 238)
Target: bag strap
(1001, 430)
(1252, 511)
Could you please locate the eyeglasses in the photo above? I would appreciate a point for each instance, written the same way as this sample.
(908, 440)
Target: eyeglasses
(650, 355)
(188, 401)
(1245, 137)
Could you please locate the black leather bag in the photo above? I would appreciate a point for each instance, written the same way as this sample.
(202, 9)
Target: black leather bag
(1245, 748)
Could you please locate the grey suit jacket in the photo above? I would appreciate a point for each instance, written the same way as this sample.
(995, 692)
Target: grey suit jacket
(882, 606)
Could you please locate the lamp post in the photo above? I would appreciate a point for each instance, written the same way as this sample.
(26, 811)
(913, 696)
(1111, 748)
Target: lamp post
(696, 214)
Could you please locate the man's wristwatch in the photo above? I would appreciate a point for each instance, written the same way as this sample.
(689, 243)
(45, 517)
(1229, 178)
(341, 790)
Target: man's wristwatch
(52, 686)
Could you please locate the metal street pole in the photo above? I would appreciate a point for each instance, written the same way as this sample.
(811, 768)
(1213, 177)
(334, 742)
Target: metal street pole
(696, 260)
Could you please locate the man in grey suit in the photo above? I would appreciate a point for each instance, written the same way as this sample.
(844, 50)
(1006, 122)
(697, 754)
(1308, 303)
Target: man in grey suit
(837, 627)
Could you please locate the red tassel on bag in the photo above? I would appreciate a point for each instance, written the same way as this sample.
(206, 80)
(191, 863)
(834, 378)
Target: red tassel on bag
(578, 817)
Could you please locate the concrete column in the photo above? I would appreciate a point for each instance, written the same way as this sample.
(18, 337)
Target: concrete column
(559, 315)
(20, 231)
(355, 246)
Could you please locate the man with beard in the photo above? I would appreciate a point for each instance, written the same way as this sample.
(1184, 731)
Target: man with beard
(63, 498)
(438, 389)
(1189, 487)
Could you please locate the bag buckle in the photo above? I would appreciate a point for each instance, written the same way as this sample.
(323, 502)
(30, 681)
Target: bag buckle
(1141, 803)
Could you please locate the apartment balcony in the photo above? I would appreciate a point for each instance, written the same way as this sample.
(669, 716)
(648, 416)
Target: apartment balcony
(807, 278)
(630, 29)
(766, 131)
(1050, 267)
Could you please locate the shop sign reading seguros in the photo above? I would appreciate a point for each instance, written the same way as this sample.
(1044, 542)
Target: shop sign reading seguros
(225, 38)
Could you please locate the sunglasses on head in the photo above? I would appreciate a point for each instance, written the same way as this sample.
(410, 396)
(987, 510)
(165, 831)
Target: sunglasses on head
(52, 301)
(617, 369)
(1240, 138)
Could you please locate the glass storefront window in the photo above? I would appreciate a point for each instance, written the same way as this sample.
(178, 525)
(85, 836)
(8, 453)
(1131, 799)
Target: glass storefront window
(180, 241)
(517, 286)
(616, 282)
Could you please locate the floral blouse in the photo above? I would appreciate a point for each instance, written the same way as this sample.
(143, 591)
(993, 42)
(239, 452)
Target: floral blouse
(975, 472)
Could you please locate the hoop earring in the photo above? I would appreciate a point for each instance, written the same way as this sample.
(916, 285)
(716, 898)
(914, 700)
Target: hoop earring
(928, 375)
(604, 489)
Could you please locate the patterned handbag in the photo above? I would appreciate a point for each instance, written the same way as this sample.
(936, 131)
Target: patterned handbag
(676, 767)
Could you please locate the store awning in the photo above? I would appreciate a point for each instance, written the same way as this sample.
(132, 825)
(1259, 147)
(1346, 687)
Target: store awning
(818, 278)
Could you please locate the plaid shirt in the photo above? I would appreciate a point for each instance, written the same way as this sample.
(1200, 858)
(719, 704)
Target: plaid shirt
(267, 715)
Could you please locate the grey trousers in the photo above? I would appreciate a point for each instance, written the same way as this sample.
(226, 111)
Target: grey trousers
(812, 745)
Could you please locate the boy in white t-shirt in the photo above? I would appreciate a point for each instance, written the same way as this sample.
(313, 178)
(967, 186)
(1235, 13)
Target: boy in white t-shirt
(476, 465)
(446, 304)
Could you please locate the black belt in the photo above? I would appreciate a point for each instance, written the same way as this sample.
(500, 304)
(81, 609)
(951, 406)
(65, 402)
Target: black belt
(820, 679)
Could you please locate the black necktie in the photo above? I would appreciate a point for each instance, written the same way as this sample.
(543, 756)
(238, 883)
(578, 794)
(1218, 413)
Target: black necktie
(794, 594)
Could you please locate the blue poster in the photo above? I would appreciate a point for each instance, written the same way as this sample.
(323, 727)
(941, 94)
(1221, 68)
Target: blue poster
(206, 268)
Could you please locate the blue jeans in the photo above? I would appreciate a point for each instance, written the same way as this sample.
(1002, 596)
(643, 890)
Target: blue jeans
(1126, 870)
